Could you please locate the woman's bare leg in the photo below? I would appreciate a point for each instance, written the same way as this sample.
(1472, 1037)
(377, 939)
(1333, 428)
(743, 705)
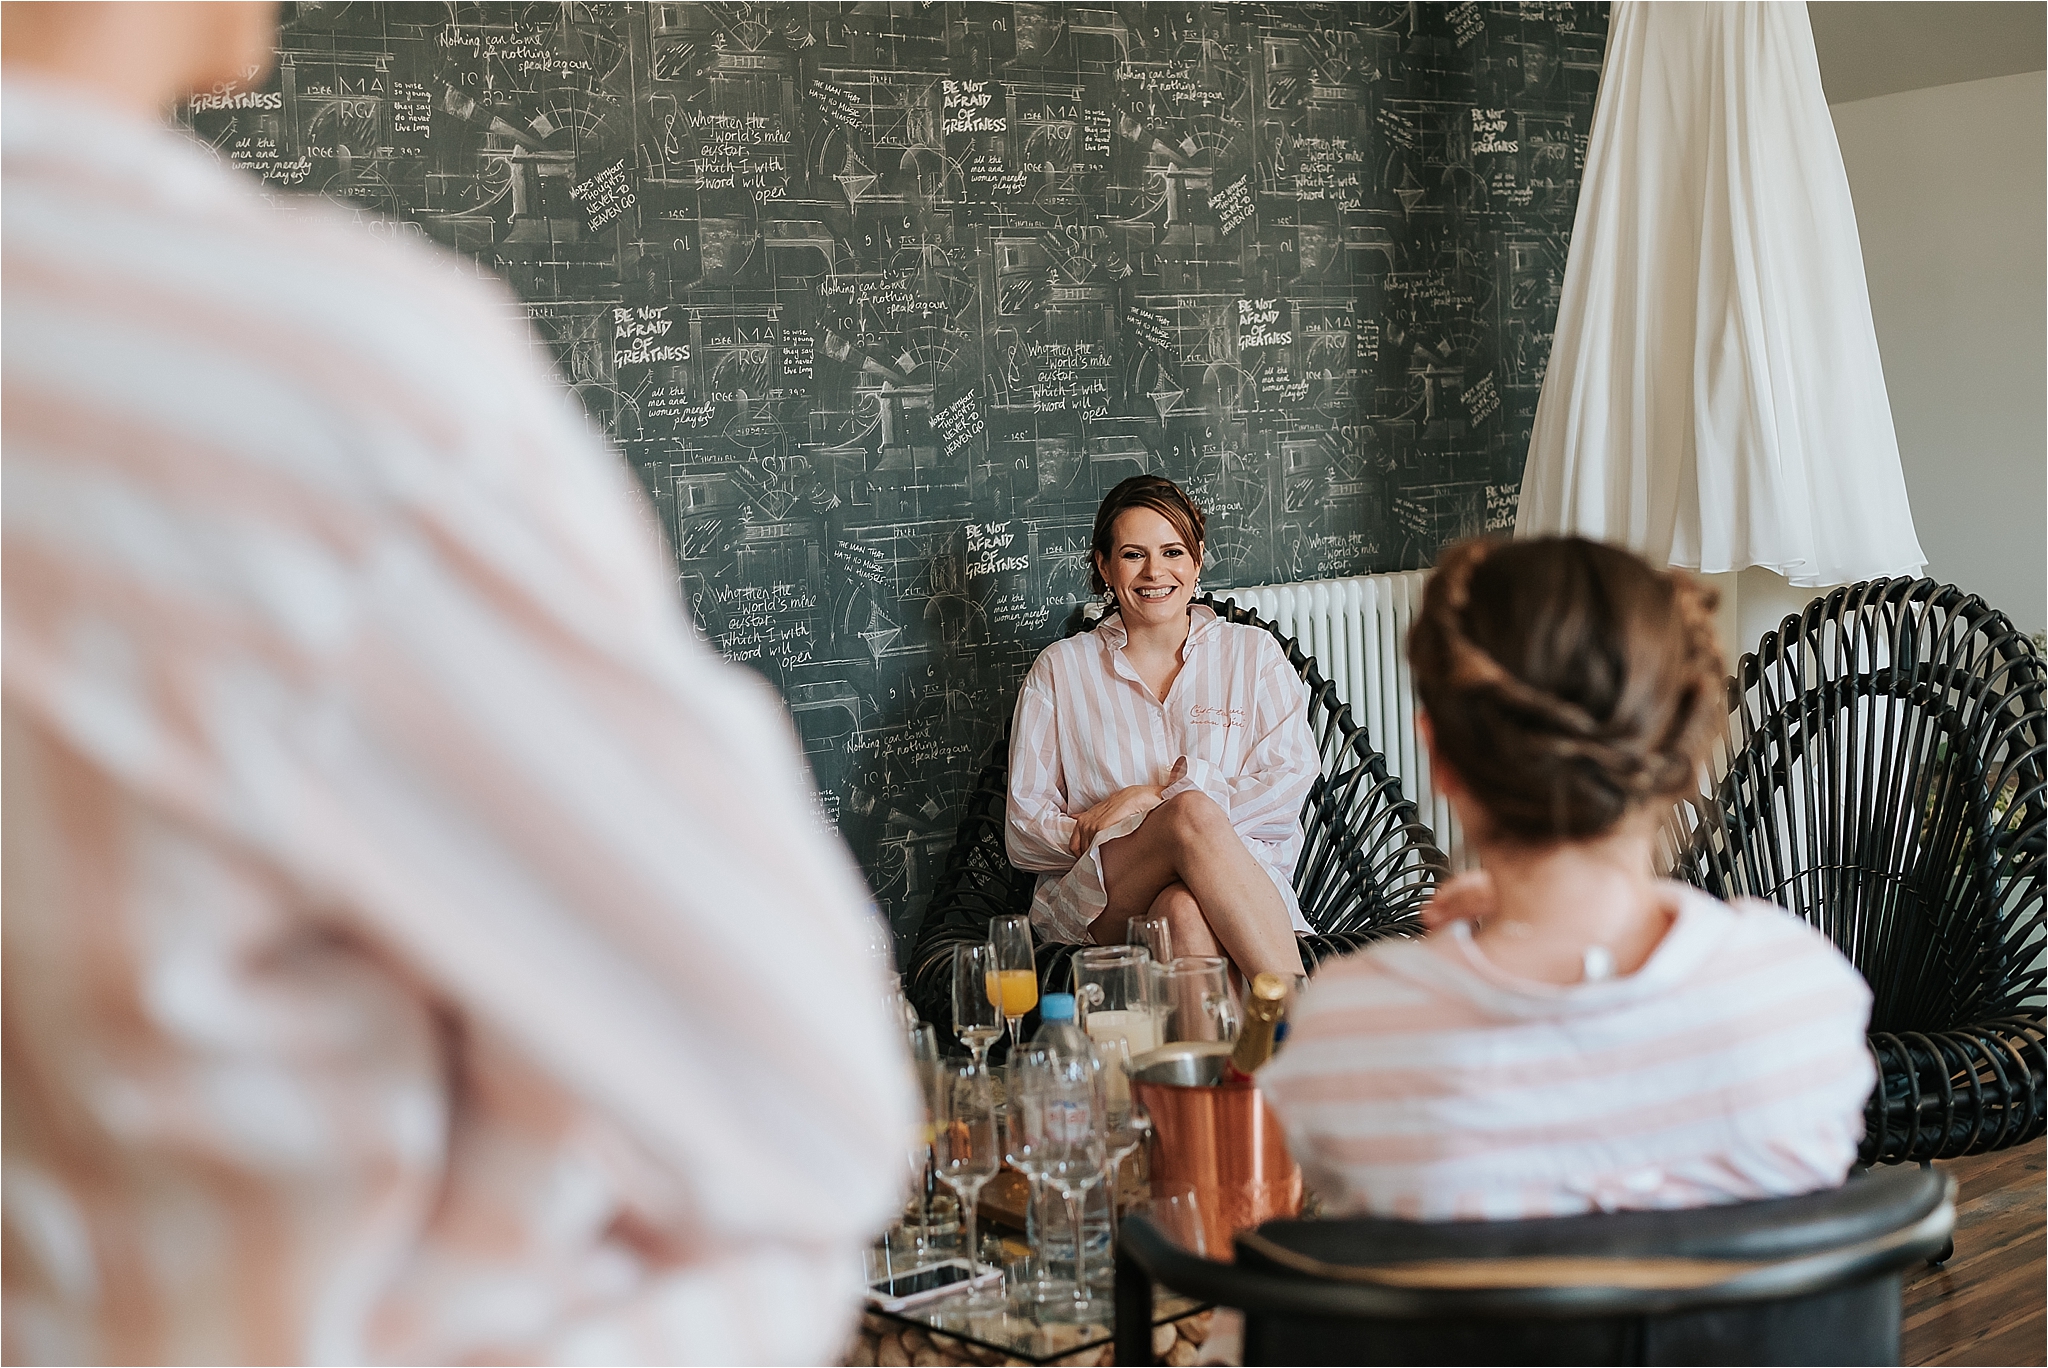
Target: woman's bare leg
(1184, 921)
(1189, 840)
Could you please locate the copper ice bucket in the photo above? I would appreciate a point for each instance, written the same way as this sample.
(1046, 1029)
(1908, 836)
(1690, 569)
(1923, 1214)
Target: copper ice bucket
(1221, 1139)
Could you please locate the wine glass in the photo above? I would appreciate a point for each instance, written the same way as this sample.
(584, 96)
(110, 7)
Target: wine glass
(1203, 1005)
(1014, 984)
(976, 1018)
(967, 1148)
(1062, 1117)
(1179, 1216)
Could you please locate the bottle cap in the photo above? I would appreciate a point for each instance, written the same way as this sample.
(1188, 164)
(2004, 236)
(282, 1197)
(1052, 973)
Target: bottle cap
(1056, 1007)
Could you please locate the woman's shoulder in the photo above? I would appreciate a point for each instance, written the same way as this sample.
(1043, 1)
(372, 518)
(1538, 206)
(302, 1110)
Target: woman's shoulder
(1244, 639)
(1062, 659)
(1748, 931)
(1399, 970)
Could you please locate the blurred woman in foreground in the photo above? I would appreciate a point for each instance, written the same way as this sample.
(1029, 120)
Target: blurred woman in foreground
(1575, 1034)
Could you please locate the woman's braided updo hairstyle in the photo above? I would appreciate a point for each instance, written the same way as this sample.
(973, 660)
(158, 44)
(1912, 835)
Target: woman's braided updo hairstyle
(1568, 682)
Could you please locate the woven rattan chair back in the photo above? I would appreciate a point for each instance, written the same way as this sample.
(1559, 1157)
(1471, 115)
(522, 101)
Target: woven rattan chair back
(1367, 866)
(1882, 778)
(1808, 1279)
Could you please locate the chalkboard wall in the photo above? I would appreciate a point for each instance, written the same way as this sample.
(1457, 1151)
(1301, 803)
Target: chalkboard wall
(879, 299)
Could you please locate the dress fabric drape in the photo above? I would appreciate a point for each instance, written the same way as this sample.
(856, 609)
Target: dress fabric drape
(1715, 397)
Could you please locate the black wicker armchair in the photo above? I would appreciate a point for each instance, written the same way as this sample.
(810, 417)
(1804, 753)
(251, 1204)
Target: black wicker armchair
(1883, 780)
(1812, 1279)
(1367, 861)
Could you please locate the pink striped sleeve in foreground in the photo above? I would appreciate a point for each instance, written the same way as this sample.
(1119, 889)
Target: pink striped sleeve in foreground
(418, 946)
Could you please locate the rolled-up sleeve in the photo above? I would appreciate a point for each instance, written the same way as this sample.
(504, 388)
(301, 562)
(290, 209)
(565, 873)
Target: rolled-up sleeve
(1039, 825)
(1264, 797)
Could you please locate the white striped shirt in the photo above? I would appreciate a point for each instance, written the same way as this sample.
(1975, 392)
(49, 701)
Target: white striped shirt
(1420, 1081)
(1233, 725)
(418, 945)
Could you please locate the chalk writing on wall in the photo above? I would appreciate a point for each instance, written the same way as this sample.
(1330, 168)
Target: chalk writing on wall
(880, 299)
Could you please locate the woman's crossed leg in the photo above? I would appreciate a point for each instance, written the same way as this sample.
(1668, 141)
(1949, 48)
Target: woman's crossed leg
(1188, 864)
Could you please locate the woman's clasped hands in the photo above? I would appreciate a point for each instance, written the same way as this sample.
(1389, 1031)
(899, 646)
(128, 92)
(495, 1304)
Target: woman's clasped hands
(1089, 823)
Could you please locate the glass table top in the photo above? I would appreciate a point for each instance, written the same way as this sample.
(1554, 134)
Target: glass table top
(1014, 1328)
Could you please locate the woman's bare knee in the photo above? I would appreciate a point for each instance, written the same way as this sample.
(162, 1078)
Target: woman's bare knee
(1195, 820)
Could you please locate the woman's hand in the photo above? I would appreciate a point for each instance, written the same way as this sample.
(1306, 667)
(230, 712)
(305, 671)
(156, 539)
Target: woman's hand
(1127, 802)
(1469, 897)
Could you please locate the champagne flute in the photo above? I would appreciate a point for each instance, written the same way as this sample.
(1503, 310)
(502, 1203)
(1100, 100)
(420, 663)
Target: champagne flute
(924, 1063)
(967, 1148)
(1155, 933)
(1014, 984)
(1064, 1112)
(1126, 1121)
(1127, 1131)
(1022, 1146)
(976, 1018)
(1125, 1127)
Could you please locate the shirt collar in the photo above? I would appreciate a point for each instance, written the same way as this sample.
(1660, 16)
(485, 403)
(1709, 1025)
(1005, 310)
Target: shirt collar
(1202, 624)
(1701, 924)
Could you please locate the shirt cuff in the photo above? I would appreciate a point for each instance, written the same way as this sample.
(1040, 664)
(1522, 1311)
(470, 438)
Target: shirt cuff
(1195, 775)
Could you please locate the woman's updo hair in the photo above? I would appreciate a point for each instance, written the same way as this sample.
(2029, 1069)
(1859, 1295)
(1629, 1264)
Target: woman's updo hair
(1568, 682)
(1155, 492)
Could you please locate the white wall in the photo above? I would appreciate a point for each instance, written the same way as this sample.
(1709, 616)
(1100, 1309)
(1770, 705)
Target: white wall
(1949, 191)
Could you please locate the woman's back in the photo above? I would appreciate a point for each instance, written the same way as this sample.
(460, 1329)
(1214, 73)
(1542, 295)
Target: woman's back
(1576, 1035)
(1423, 1082)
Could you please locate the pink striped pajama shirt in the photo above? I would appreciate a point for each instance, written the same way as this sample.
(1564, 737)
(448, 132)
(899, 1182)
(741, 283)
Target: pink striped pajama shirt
(1234, 725)
(1420, 1081)
(419, 946)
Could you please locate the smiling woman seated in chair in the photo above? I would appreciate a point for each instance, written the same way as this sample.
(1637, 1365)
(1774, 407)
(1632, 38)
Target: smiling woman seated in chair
(1575, 1035)
(1159, 763)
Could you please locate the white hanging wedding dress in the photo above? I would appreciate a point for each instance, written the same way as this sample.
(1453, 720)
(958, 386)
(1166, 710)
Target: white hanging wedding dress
(1715, 398)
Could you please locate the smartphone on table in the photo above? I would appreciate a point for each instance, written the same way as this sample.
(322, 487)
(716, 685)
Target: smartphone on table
(929, 1282)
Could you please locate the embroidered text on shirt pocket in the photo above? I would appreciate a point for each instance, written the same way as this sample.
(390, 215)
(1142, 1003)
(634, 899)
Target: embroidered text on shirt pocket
(1216, 717)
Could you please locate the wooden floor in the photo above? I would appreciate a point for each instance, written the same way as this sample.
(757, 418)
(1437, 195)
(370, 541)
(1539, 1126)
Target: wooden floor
(1989, 1303)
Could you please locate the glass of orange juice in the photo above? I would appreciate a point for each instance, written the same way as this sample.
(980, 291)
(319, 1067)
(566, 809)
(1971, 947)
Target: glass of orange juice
(1013, 987)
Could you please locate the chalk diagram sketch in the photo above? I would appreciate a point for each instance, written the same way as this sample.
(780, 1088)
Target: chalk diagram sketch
(879, 299)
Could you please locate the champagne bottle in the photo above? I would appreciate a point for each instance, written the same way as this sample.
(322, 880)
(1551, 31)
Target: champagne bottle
(1262, 1010)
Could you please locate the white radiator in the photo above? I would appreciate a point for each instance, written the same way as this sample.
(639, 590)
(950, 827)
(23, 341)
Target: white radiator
(1357, 629)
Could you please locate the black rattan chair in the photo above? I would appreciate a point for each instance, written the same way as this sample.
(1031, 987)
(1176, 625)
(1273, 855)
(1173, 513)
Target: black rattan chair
(1882, 779)
(1367, 863)
(1811, 1279)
